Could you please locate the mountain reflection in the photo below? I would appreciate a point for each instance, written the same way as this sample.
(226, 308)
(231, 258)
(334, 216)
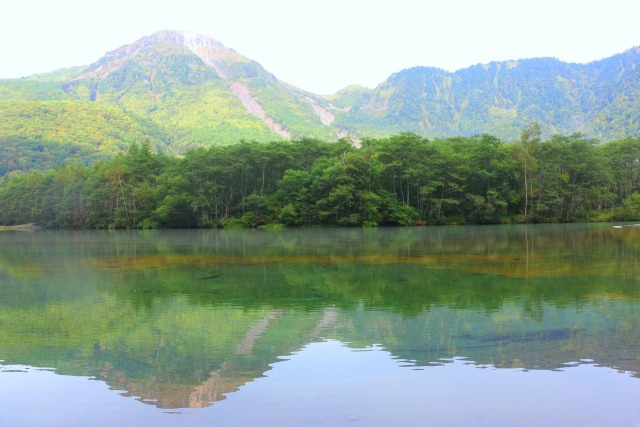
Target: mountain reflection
(182, 319)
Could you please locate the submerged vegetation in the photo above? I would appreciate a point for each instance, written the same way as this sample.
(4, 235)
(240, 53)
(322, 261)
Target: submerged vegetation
(401, 180)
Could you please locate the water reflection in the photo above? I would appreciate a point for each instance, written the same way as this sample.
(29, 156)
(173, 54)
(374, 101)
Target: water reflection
(331, 383)
(184, 319)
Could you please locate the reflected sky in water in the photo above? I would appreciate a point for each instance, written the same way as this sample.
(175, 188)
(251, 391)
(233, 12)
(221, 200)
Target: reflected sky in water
(329, 384)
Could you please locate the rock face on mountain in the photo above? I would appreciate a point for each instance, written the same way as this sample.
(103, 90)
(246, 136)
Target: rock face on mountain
(179, 90)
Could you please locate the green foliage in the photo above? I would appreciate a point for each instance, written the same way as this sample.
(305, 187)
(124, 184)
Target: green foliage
(31, 90)
(401, 180)
(45, 134)
(630, 209)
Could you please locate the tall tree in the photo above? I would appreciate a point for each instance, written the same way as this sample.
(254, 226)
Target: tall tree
(525, 151)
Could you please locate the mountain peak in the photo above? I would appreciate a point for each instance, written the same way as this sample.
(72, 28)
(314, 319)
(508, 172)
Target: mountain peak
(153, 51)
(228, 64)
(188, 39)
(176, 38)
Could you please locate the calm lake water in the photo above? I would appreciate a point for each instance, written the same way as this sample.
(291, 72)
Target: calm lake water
(496, 325)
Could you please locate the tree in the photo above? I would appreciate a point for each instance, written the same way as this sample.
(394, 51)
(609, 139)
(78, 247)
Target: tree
(525, 151)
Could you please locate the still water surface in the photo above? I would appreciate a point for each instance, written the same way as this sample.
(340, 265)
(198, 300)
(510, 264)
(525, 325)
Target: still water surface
(500, 325)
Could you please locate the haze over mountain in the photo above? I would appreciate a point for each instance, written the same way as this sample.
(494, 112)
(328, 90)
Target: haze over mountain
(179, 90)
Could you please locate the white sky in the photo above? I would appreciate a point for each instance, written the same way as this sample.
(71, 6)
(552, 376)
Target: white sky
(323, 46)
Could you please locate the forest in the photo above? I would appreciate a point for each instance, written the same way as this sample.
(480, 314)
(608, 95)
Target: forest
(401, 180)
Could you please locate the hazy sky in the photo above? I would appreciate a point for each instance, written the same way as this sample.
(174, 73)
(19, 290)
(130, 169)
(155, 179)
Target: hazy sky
(325, 45)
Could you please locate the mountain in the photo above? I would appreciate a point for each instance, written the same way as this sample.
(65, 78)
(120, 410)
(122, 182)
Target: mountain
(178, 90)
(599, 99)
(173, 89)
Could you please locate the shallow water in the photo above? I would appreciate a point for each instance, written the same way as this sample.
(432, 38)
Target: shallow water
(499, 325)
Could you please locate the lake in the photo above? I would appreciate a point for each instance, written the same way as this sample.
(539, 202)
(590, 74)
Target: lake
(484, 325)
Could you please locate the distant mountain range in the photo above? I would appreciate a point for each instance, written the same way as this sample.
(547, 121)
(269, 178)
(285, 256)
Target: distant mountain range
(179, 90)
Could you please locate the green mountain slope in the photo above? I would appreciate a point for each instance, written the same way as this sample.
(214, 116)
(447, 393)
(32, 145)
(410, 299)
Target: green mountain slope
(502, 98)
(45, 134)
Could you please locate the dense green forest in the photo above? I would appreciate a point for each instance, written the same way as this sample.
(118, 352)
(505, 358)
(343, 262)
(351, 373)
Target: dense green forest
(401, 180)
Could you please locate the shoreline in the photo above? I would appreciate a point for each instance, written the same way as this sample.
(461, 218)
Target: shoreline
(20, 227)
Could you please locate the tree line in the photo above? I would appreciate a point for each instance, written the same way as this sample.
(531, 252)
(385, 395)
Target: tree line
(400, 180)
